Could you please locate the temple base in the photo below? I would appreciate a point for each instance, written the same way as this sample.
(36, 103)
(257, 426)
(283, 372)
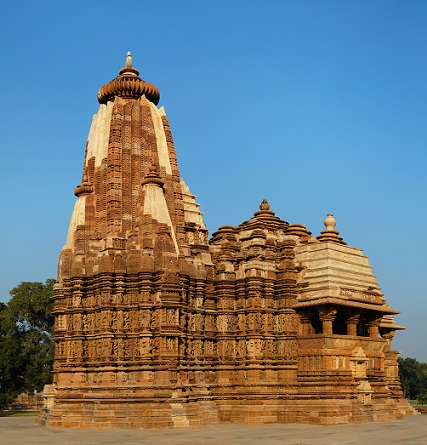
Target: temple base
(198, 408)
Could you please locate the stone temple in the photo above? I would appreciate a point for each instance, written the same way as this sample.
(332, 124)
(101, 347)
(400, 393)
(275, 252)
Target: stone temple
(159, 327)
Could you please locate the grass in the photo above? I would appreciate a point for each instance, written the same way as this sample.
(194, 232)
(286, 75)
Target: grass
(418, 406)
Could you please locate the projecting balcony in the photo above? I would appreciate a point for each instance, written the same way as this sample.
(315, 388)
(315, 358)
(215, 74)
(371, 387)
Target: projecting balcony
(343, 320)
(335, 357)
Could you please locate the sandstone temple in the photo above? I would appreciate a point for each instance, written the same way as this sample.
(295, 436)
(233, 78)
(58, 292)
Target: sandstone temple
(158, 326)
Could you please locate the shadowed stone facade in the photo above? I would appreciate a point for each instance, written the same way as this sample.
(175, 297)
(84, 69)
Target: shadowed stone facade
(157, 327)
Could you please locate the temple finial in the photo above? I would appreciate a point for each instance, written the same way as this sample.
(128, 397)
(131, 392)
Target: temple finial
(129, 60)
(264, 210)
(264, 205)
(128, 85)
(330, 223)
(330, 234)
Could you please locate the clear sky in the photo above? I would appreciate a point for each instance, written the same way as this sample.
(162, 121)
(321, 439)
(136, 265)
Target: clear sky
(319, 106)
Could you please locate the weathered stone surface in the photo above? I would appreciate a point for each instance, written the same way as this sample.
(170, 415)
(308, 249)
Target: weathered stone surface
(158, 328)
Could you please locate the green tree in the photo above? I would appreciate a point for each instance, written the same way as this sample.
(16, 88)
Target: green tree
(422, 397)
(26, 346)
(10, 363)
(413, 376)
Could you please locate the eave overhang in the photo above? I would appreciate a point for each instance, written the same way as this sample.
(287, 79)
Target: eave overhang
(330, 301)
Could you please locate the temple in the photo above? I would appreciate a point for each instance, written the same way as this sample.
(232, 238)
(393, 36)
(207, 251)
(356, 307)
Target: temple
(159, 327)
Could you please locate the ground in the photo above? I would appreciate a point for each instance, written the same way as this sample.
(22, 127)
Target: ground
(412, 430)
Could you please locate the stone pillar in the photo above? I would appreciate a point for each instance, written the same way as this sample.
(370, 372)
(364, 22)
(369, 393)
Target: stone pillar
(327, 316)
(351, 323)
(305, 326)
(373, 328)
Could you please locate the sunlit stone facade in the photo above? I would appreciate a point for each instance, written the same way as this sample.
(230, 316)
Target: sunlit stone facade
(159, 327)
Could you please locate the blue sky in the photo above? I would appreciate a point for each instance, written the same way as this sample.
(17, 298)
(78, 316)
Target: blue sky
(320, 107)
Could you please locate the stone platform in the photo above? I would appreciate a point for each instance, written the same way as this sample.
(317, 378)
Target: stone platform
(412, 430)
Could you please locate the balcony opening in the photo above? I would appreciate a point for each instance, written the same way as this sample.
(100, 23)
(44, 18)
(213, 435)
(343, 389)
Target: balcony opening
(316, 324)
(362, 328)
(339, 326)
